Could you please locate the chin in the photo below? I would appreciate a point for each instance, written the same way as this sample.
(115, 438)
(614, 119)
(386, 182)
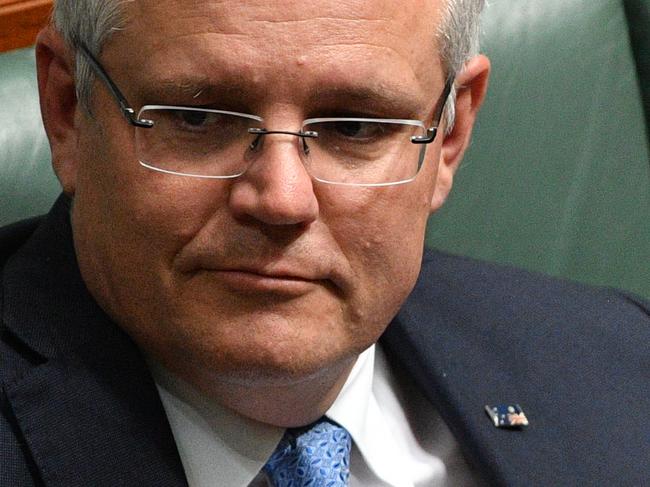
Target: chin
(263, 353)
(279, 365)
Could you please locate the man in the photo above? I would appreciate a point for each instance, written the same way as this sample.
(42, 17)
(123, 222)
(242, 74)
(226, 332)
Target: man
(246, 192)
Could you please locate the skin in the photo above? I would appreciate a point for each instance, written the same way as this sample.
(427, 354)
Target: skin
(261, 291)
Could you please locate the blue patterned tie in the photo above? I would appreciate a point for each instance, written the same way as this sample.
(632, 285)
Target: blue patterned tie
(317, 455)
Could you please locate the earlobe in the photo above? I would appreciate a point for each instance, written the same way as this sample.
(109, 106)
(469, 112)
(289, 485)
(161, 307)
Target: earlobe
(58, 101)
(471, 87)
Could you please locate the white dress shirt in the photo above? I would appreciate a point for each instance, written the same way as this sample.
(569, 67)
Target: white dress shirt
(398, 441)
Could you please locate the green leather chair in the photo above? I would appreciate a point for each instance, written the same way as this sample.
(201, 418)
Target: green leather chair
(557, 178)
(558, 175)
(27, 183)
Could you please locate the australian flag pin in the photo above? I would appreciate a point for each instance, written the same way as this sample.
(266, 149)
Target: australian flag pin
(507, 415)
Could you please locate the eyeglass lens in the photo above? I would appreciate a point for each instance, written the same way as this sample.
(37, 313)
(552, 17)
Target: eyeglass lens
(211, 143)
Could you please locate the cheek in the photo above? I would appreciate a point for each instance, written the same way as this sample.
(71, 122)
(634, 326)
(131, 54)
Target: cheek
(381, 233)
(130, 222)
(144, 207)
(390, 255)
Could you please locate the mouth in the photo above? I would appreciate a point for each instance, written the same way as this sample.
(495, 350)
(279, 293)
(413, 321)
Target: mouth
(287, 275)
(253, 281)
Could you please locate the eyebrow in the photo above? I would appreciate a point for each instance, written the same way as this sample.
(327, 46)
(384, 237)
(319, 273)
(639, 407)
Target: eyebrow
(195, 86)
(170, 86)
(389, 99)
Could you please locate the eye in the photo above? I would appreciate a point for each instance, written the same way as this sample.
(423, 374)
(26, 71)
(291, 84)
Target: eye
(193, 118)
(357, 129)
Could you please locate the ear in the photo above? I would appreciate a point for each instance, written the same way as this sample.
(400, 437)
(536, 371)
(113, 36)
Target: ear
(471, 86)
(58, 100)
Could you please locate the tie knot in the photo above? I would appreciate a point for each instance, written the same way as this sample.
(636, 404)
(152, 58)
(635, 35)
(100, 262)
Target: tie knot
(317, 455)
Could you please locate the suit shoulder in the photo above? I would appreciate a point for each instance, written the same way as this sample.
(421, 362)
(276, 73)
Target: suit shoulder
(12, 238)
(15, 467)
(495, 290)
(14, 235)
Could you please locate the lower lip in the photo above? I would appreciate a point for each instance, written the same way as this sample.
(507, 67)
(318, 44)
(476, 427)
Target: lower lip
(251, 283)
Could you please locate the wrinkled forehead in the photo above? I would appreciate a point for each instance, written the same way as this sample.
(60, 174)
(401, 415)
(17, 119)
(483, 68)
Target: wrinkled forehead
(380, 39)
(405, 24)
(404, 18)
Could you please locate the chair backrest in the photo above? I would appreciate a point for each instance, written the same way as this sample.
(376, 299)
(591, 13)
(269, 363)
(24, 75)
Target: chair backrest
(558, 175)
(27, 183)
(557, 178)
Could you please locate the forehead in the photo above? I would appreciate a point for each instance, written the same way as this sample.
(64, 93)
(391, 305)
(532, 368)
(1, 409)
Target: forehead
(348, 19)
(381, 42)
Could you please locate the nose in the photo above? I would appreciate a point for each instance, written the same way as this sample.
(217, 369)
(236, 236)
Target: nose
(276, 189)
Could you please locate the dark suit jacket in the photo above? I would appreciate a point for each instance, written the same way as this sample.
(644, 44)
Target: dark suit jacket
(79, 407)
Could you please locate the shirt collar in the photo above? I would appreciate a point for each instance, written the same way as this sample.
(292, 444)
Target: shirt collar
(357, 410)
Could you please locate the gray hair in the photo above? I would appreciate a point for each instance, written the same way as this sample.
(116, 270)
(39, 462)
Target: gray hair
(92, 22)
(458, 40)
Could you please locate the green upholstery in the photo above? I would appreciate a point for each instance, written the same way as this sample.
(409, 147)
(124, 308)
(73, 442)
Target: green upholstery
(557, 178)
(638, 16)
(27, 183)
(558, 175)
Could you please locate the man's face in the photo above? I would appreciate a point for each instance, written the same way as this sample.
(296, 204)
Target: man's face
(271, 276)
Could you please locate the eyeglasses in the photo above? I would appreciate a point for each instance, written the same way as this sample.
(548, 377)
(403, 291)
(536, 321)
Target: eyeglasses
(220, 144)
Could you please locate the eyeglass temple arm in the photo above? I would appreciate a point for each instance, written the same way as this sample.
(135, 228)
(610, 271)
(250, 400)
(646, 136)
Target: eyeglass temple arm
(127, 111)
(440, 106)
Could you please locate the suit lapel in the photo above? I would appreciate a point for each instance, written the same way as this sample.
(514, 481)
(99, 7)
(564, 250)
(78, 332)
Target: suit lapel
(463, 356)
(451, 382)
(82, 395)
